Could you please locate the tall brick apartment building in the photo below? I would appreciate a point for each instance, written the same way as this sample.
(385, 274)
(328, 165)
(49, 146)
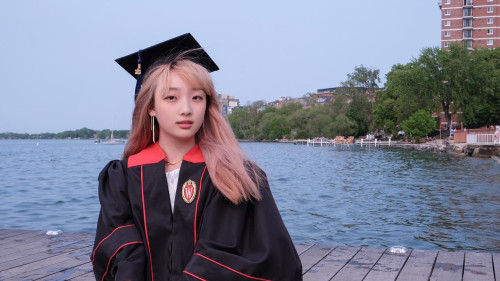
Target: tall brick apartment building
(474, 23)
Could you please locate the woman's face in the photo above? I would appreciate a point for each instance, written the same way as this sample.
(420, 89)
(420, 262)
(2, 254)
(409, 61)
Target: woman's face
(180, 111)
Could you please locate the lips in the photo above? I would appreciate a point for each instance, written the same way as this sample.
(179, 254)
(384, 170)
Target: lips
(185, 124)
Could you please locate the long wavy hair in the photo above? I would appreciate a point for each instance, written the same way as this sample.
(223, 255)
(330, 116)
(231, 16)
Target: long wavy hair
(236, 176)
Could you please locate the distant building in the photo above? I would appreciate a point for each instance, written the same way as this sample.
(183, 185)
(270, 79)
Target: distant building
(286, 100)
(327, 90)
(228, 103)
(474, 23)
(328, 95)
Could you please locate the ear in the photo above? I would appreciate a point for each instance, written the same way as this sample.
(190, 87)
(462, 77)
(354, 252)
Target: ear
(152, 112)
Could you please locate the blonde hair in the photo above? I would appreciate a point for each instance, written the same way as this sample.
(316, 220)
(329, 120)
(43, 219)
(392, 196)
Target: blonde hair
(232, 172)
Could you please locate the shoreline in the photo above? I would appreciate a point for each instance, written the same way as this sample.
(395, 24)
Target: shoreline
(448, 146)
(439, 146)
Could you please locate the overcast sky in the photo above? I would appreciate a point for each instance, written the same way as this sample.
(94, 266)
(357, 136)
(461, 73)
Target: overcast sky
(57, 57)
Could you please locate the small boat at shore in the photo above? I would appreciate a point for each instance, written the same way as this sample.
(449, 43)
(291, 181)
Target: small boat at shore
(112, 140)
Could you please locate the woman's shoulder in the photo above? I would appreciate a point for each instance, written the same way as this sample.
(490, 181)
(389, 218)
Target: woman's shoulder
(149, 155)
(114, 168)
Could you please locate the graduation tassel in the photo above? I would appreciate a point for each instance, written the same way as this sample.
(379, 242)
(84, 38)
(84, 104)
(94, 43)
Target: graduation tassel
(138, 72)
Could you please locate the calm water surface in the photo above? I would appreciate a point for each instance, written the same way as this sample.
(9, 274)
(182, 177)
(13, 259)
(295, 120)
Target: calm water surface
(341, 196)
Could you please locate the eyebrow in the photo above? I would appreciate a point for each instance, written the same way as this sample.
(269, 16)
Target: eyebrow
(176, 89)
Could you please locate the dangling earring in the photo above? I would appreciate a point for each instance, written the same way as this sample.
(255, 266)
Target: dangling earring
(153, 128)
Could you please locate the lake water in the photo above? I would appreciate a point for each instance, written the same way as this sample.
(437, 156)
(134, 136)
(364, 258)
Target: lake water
(338, 196)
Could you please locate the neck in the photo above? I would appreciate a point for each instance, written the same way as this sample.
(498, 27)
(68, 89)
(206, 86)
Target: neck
(175, 151)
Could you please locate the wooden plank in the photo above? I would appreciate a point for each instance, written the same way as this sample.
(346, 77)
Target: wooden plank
(22, 272)
(388, 266)
(331, 264)
(359, 266)
(496, 265)
(478, 267)
(22, 237)
(448, 266)
(21, 246)
(50, 247)
(66, 257)
(419, 266)
(60, 263)
(81, 272)
(4, 233)
(301, 248)
(313, 255)
(84, 277)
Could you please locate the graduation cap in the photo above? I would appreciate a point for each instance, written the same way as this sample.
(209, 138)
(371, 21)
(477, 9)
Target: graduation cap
(184, 45)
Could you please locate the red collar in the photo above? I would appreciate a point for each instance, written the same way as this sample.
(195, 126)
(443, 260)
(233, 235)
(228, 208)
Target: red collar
(154, 154)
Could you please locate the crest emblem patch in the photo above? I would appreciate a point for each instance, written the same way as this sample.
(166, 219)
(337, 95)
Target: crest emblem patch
(189, 191)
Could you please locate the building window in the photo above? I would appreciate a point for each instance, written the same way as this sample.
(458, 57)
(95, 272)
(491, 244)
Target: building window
(490, 10)
(467, 12)
(447, 23)
(490, 0)
(468, 44)
(467, 33)
(489, 20)
(489, 31)
(467, 2)
(446, 44)
(447, 34)
(447, 12)
(467, 22)
(447, 1)
(490, 42)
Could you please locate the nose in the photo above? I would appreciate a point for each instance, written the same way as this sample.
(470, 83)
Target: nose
(186, 107)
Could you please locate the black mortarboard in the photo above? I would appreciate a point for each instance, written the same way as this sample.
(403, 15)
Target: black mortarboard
(138, 62)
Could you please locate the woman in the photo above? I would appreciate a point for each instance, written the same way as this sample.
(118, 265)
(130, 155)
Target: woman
(185, 202)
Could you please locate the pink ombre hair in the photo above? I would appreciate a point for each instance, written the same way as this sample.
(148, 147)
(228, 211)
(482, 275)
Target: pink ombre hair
(232, 172)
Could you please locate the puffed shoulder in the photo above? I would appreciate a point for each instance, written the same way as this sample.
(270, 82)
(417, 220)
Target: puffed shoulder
(113, 182)
(114, 168)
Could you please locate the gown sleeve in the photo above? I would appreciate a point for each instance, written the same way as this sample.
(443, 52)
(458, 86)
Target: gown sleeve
(246, 242)
(118, 252)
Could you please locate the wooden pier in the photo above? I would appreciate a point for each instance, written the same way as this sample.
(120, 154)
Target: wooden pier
(34, 255)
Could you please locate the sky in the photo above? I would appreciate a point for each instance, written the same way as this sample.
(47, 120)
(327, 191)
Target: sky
(57, 56)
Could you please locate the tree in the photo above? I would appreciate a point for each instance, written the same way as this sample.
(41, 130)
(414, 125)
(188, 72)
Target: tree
(406, 91)
(385, 112)
(364, 78)
(420, 124)
(343, 126)
(449, 76)
(437, 81)
(360, 88)
(481, 106)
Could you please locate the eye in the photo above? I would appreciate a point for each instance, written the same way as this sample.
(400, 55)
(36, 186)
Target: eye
(170, 98)
(198, 97)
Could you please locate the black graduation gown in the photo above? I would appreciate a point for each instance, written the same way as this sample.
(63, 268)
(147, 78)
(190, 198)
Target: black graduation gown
(206, 238)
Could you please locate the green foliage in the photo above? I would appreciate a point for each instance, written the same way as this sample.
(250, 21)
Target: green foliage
(245, 120)
(449, 81)
(420, 124)
(83, 133)
(480, 108)
(343, 126)
(364, 78)
(360, 88)
(385, 113)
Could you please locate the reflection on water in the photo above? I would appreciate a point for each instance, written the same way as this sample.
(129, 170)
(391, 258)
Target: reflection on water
(342, 195)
